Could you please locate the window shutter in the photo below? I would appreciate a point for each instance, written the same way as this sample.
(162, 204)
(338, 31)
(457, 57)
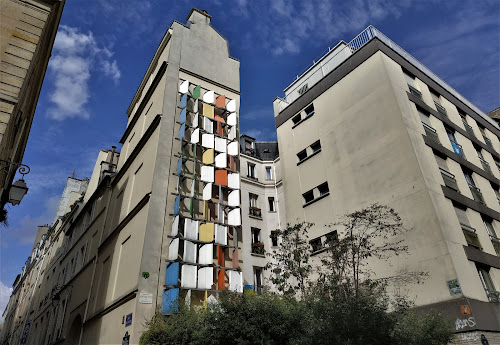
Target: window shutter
(442, 163)
(462, 216)
(425, 119)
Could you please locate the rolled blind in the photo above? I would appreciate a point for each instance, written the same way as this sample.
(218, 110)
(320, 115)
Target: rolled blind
(442, 163)
(462, 216)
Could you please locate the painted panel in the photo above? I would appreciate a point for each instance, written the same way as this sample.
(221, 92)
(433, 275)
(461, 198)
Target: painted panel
(207, 141)
(221, 234)
(184, 87)
(175, 226)
(231, 106)
(221, 177)
(220, 160)
(220, 144)
(232, 148)
(182, 115)
(209, 97)
(220, 101)
(206, 256)
(190, 229)
(176, 204)
(233, 198)
(235, 281)
(207, 173)
(233, 181)
(190, 250)
(172, 274)
(195, 136)
(208, 111)
(208, 156)
(170, 301)
(173, 249)
(197, 92)
(188, 276)
(195, 119)
(205, 278)
(207, 232)
(208, 125)
(182, 130)
(184, 99)
(231, 119)
(234, 217)
(207, 192)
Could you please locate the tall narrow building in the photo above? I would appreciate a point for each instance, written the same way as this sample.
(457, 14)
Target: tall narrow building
(368, 123)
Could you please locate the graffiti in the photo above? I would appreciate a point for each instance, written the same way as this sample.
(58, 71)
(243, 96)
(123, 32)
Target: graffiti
(462, 323)
(469, 336)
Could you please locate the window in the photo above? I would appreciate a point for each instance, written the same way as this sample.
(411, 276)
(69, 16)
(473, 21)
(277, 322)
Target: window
(251, 170)
(316, 244)
(253, 199)
(490, 229)
(316, 146)
(302, 155)
(309, 110)
(323, 189)
(296, 119)
(254, 210)
(257, 245)
(308, 196)
(487, 282)
(457, 148)
(274, 238)
(468, 178)
(269, 175)
(331, 238)
(468, 231)
(270, 200)
(257, 273)
(303, 89)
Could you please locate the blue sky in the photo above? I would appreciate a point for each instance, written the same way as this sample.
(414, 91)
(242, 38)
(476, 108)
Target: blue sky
(104, 47)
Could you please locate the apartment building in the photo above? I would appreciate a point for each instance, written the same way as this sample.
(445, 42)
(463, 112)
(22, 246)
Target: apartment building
(161, 221)
(28, 29)
(369, 123)
(263, 211)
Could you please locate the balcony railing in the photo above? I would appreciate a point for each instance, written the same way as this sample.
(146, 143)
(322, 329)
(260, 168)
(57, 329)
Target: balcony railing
(457, 148)
(255, 211)
(469, 129)
(495, 239)
(441, 109)
(476, 194)
(431, 132)
(486, 166)
(449, 180)
(488, 142)
(258, 248)
(493, 296)
(415, 92)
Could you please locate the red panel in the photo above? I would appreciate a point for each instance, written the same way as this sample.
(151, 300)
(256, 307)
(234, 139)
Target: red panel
(232, 163)
(219, 118)
(220, 129)
(221, 101)
(221, 177)
(221, 285)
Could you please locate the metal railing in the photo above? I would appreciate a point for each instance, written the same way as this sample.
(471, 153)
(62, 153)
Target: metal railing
(440, 109)
(457, 148)
(486, 165)
(488, 142)
(468, 228)
(469, 129)
(430, 132)
(493, 238)
(359, 41)
(255, 211)
(476, 194)
(449, 180)
(415, 92)
(493, 296)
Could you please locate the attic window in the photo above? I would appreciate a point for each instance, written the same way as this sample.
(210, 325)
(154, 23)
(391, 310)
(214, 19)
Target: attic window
(303, 89)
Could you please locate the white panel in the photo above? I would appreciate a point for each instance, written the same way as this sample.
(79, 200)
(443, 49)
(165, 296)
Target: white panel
(173, 249)
(188, 276)
(207, 191)
(191, 229)
(175, 226)
(231, 133)
(233, 198)
(195, 136)
(190, 249)
(207, 173)
(234, 217)
(196, 116)
(231, 119)
(205, 278)
(221, 234)
(231, 105)
(208, 125)
(209, 97)
(184, 87)
(232, 148)
(220, 144)
(221, 160)
(207, 141)
(206, 254)
(233, 181)
(235, 281)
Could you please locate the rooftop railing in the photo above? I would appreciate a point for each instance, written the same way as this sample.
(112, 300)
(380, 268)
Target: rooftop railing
(358, 42)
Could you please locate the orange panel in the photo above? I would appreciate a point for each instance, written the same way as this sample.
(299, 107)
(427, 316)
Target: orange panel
(232, 163)
(220, 101)
(219, 118)
(221, 177)
(235, 258)
(220, 130)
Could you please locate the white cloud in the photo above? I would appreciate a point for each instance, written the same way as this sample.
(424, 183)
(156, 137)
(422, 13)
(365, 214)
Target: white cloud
(75, 55)
(5, 293)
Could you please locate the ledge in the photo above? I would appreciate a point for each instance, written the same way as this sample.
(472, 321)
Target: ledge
(317, 199)
(477, 255)
(258, 255)
(463, 200)
(310, 156)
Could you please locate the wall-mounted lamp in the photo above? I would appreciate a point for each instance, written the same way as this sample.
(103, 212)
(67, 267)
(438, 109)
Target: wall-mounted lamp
(18, 189)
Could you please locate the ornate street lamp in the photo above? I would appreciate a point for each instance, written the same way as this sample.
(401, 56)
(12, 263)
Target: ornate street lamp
(18, 189)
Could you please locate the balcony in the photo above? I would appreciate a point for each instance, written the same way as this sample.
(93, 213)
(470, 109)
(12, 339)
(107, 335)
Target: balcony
(457, 148)
(486, 166)
(469, 129)
(476, 194)
(493, 296)
(441, 109)
(415, 92)
(255, 212)
(431, 133)
(258, 248)
(449, 180)
(488, 142)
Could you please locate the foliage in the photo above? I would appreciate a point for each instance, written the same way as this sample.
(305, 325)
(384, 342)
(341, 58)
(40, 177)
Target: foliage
(291, 260)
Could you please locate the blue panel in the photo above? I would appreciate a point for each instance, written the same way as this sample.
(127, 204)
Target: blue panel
(184, 100)
(182, 116)
(182, 130)
(176, 204)
(248, 287)
(456, 148)
(179, 166)
(170, 301)
(172, 274)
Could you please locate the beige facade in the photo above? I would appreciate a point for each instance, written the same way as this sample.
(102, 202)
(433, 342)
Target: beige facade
(378, 127)
(27, 33)
(103, 268)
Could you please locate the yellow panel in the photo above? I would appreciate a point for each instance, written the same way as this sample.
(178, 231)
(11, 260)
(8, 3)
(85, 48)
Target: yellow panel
(206, 232)
(208, 156)
(208, 110)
